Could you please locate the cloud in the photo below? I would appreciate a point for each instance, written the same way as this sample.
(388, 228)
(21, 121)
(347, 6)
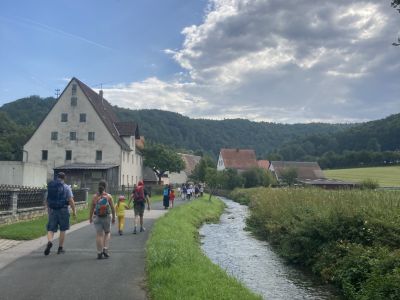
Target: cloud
(271, 60)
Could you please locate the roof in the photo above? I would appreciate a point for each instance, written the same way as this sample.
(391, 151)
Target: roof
(264, 164)
(127, 129)
(190, 162)
(149, 175)
(86, 167)
(305, 170)
(105, 112)
(241, 159)
(328, 182)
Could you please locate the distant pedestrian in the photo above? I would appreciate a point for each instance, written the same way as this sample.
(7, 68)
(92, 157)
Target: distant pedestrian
(166, 191)
(102, 214)
(120, 209)
(201, 190)
(59, 196)
(172, 198)
(184, 191)
(139, 197)
(188, 193)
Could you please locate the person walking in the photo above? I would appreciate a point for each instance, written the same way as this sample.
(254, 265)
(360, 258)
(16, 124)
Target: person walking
(59, 196)
(102, 214)
(166, 191)
(172, 198)
(139, 197)
(120, 209)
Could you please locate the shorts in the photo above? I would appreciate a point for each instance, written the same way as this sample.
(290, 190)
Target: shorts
(58, 218)
(102, 224)
(138, 208)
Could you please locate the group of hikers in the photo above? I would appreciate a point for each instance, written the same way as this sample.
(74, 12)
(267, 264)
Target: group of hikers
(102, 212)
(186, 191)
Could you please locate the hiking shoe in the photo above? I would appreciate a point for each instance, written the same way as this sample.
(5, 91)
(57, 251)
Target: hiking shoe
(60, 250)
(105, 253)
(134, 231)
(48, 247)
(142, 229)
(99, 255)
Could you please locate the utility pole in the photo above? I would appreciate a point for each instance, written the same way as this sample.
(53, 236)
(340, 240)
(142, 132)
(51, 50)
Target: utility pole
(57, 93)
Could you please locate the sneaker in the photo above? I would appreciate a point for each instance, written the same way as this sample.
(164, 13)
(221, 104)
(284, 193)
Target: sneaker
(134, 231)
(119, 232)
(99, 255)
(105, 253)
(48, 247)
(60, 250)
(142, 229)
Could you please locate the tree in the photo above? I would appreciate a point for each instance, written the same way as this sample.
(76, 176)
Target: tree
(289, 176)
(214, 180)
(232, 179)
(199, 172)
(162, 159)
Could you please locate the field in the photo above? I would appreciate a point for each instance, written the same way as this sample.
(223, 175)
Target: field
(386, 176)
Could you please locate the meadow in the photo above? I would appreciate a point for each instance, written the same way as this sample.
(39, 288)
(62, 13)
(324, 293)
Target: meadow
(385, 176)
(350, 238)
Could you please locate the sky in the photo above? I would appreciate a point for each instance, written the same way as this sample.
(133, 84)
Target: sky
(295, 61)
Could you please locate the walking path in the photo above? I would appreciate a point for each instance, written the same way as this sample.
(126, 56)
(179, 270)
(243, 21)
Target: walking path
(25, 273)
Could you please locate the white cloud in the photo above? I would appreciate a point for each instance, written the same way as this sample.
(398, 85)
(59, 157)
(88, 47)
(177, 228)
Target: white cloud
(272, 60)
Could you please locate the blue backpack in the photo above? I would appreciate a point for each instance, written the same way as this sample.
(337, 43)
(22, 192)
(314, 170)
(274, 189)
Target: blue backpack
(56, 195)
(102, 208)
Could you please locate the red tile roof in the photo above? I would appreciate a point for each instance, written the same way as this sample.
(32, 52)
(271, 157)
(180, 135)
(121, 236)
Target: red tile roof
(305, 170)
(241, 159)
(264, 164)
(190, 162)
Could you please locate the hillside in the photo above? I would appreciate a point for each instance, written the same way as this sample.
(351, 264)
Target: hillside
(198, 135)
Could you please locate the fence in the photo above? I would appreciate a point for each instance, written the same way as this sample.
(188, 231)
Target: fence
(18, 202)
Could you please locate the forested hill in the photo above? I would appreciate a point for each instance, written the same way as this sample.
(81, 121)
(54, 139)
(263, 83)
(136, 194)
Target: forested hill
(210, 136)
(198, 135)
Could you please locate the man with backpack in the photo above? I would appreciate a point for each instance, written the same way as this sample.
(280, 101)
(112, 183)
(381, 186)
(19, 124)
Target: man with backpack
(59, 196)
(139, 197)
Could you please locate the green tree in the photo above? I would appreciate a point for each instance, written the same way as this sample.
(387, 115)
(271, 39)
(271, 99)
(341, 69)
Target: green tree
(232, 179)
(199, 172)
(214, 180)
(162, 159)
(289, 176)
(256, 177)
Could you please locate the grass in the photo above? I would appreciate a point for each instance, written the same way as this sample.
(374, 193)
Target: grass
(386, 176)
(348, 237)
(176, 266)
(35, 228)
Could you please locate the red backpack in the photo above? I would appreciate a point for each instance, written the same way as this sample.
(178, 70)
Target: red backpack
(138, 194)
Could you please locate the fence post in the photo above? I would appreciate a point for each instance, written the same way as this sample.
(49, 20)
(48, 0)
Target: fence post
(86, 194)
(14, 201)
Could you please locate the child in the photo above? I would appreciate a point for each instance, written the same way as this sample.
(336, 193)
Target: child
(120, 208)
(172, 198)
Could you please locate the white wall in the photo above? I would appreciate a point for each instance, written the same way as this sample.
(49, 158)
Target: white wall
(178, 178)
(25, 174)
(220, 164)
(83, 150)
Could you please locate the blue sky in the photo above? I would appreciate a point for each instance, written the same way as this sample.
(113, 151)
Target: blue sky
(329, 61)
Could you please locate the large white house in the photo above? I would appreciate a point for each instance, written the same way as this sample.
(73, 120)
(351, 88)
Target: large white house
(82, 137)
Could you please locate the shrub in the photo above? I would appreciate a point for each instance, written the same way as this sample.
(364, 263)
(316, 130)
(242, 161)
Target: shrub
(369, 184)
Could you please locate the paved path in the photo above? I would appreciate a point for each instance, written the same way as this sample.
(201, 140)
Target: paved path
(25, 273)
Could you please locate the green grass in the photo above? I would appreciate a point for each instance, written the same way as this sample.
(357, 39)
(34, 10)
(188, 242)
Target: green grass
(348, 237)
(386, 176)
(32, 229)
(176, 266)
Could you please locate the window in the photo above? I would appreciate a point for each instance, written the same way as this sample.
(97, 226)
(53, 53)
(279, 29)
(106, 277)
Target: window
(99, 155)
(64, 117)
(54, 136)
(74, 89)
(74, 101)
(72, 135)
(123, 156)
(44, 154)
(91, 136)
(68, 154)
(82, 118)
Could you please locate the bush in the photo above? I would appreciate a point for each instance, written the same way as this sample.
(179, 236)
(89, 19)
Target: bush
(369, 184)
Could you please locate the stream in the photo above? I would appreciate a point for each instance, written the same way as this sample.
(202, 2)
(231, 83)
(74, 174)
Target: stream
(253, 262)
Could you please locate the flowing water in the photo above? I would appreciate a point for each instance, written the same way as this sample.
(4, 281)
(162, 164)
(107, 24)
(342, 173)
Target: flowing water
(253, 262)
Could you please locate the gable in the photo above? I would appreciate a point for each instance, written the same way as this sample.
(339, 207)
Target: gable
(305, 170)
(241, 159)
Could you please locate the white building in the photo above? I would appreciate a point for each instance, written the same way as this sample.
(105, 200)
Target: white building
(82, 137)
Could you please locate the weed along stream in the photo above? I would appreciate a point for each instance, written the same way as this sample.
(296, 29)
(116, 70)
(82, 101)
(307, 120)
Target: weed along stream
(253, 262)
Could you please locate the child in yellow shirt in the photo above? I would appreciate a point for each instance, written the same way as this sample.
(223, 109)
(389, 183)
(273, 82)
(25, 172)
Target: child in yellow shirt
(120, 209)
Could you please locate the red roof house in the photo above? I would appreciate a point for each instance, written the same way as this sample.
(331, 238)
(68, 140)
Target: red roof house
(239, 159)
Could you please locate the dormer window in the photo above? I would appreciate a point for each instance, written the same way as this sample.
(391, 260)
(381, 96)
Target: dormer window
(64, 117)
(74, 101)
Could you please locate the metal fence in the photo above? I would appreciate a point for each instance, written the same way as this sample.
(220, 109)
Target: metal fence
(17, 199)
